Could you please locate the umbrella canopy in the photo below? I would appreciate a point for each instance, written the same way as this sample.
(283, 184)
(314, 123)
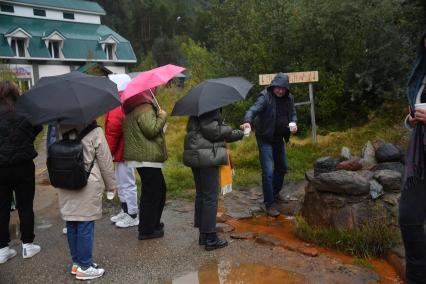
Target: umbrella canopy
(121, 80)
(73, 98)
(212, 94)
(150, 79)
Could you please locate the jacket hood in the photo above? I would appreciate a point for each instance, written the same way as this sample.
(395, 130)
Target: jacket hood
(418, 72)
(280, 80)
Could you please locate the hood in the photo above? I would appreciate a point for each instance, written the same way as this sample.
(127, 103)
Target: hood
(280, 80)
(418, 72)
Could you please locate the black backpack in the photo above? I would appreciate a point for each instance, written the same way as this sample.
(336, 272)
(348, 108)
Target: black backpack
(65, 161)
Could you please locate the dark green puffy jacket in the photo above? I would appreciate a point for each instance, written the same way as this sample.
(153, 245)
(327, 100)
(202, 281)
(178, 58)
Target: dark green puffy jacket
(205, 141)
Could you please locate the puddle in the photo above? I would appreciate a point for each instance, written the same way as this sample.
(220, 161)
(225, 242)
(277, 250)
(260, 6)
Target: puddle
(231, 273)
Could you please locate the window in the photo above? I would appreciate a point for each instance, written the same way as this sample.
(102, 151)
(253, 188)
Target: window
(7, 8)
(54, 47)
(18, 47)
(109, 49)
(39, 12)
(68, 16)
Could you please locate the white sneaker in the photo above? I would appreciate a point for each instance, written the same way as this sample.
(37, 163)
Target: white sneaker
(118, 217)
(30, 250)
(6, 253)
(127, 221)
(89, 273)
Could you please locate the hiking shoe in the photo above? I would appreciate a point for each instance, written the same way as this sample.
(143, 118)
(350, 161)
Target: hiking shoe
(74, 268)
(118, 217)
(6, 253)
(127, 221)
(279, 198)
(271, 211)
(156, 234)
(216, 244)
(89, 273)
(30, 250)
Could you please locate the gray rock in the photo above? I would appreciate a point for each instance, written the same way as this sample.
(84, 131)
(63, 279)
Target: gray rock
(389, 153)
(342, 182)
(368, 175)
(376, 189)
(243, 214)
(224, 228)
(267, 240)
(343, 219)
(345, 154)
(309, 175)
(324, 165)
(243, 235)
(368, 160)
(391, 180)
(393, 166)
(391, 199)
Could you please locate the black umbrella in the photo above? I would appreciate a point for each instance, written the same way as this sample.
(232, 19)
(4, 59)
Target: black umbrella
(212, 94)
(73, 98)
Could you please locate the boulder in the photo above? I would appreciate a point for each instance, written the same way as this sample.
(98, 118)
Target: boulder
(342, 182)
(368, 175)
(376, 189)
(349, 165)
(390, 180)
(345, 154)
(324, 165)
(393, 166)
(368, 160)
(389, 153)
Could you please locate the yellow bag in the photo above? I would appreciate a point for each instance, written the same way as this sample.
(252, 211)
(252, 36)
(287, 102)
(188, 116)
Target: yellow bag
(225, 174)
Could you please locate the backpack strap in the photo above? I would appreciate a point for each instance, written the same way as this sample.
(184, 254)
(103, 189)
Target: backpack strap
(82, 134)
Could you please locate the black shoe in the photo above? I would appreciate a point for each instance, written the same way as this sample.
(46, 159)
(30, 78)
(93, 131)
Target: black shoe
(160, 226)
(216, 244)
(156, 234)
(202, 239)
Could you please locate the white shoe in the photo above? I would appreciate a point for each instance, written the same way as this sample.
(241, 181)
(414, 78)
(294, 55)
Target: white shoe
(6, 253)
(127, 221)
(118, 217)
(89, 273)
(30, 250)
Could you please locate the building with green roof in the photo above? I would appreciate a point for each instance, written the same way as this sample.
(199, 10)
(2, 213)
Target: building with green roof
(51, 37)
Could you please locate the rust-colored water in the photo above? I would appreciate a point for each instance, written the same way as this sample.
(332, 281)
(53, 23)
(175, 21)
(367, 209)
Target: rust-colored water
(230, 273)
(281, 228)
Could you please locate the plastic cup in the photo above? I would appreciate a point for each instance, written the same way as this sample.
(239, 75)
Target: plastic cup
(292, 126)
(247, 131)
(420, 106)
(110, 195)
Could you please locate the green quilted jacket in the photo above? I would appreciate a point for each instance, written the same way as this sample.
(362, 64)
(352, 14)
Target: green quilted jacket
(143, 135)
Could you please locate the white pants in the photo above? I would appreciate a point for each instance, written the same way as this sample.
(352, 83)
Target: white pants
(127, 190)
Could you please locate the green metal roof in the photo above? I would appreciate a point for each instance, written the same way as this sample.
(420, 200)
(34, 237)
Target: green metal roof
(81, 39)
(75, 5)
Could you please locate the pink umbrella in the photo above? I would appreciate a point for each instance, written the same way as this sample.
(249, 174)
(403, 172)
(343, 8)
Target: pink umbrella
(148, 80)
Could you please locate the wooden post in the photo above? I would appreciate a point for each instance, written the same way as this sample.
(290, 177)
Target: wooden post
(314, 126)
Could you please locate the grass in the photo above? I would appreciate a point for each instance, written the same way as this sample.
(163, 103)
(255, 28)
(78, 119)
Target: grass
(370, 240)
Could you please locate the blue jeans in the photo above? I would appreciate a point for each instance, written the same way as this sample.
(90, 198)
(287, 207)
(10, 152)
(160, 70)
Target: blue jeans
(80, 240)
(274, 167)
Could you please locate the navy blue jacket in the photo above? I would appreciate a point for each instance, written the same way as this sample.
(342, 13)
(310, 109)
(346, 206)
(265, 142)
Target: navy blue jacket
(262, 114)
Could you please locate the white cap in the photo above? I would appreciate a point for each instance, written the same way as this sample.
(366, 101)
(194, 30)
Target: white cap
(121, 80)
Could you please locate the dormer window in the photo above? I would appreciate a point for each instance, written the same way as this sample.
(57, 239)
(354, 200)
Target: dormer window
(39, 12)
(54, 43)
(68, 16)
(18, 47)
(109, 45)
(7, 8)
(109, 49)
(18, 40)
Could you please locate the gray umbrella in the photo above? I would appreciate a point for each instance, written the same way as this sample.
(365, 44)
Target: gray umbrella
(212, 94)
(73, 98)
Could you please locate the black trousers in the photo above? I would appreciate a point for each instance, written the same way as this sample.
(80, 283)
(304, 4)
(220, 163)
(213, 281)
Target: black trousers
(152, 200)
(21, 179)
(207, 188)
(412, 214)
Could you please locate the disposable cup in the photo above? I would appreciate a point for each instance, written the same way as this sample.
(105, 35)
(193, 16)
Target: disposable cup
(420, 106)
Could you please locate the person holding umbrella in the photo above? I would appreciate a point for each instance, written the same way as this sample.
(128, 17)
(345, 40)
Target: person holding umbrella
(205, 147)
(17, 172)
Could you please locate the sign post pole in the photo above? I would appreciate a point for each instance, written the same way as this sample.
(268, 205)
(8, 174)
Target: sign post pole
(314, 126)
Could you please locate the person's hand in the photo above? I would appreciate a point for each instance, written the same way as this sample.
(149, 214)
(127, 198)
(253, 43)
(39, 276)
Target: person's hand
(245, 125)
(111, 194)
(162, 113)
(412, 121)
(293, 129)
(419, 117)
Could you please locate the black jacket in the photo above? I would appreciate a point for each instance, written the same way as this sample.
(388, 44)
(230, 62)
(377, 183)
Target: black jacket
(16, 138)
(205, 141)
(262, 114)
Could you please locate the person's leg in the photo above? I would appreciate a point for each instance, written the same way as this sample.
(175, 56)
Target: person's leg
(209, 195)
(118, 177)
(24, 191)
(412, 213)
(266, 160)
(162, 197)
(5, 201)
(280, 166)
(198, 199)
(72, 233)
(150, 199)
(128, 187)
(85, 237)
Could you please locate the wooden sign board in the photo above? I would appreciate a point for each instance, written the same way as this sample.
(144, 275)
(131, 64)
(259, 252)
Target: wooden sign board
(296, 77)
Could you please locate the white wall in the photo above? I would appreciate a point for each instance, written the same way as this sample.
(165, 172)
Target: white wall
(117, 69)
(52, 70)
(54, 15)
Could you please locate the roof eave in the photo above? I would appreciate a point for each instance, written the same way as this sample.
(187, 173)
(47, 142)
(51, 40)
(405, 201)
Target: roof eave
(69, 59)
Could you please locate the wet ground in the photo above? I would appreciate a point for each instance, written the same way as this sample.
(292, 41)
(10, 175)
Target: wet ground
(177, 258)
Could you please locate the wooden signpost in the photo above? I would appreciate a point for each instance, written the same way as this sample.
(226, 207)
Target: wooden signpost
(299, 77)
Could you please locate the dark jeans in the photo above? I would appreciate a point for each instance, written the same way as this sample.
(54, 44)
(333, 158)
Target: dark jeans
(274, 167)
(207, 188)
(412, 214)
(21, 179)
(153, 198)
(80, 240)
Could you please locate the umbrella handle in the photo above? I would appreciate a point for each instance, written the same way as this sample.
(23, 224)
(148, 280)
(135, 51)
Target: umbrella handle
(155, 100)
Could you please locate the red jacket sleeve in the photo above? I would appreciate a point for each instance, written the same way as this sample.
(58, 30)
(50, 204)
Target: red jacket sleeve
(113, 129)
